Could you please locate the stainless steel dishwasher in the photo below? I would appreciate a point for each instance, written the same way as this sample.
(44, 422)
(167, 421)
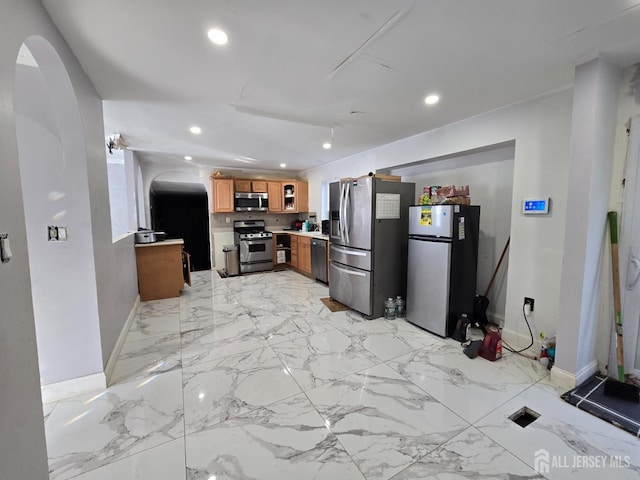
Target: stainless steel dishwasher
(319, 259)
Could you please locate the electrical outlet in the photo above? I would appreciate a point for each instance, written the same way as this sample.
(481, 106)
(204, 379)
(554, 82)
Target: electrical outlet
(529, 301)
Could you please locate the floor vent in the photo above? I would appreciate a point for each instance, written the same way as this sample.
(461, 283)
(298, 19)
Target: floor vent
(524, 417)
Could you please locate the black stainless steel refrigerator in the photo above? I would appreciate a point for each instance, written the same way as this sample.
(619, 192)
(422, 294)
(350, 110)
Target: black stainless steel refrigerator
(442, 265)
(368, 232)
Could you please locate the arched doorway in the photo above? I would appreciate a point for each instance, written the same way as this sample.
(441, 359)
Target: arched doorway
(53, 171)
(179, 206)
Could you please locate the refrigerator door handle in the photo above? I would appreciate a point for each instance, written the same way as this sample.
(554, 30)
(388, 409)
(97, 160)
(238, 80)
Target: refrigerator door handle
(346, 211)
(349, 252)
(341, 220)
(349, 272)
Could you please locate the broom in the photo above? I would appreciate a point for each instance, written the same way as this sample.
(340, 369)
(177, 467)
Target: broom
(617, 388)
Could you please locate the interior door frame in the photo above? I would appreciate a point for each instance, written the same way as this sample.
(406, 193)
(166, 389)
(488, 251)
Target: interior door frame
(630, 241)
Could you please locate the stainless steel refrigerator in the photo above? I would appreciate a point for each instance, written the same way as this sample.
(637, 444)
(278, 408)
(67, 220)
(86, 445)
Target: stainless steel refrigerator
(368, 234)
(442, 265)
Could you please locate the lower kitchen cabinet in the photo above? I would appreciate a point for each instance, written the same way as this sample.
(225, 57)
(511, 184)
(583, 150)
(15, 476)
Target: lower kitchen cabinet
(292, 250)
(304, 255)
(162, 269)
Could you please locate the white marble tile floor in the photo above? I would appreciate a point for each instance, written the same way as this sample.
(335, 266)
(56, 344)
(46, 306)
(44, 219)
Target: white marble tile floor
(251, 377)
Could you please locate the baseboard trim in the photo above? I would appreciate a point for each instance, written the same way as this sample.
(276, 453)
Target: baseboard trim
(562, 378)
(585, 373)
(115, 353)
(568, 380)
(73, 387)
(519, 341)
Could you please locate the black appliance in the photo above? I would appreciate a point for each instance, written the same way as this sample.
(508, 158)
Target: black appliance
(325, 227)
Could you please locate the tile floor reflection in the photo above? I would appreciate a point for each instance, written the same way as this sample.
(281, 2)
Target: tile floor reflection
(253, 378)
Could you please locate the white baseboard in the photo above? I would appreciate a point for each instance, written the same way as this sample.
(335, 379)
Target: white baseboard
(518, 341)
(568, 380)
(586, 372)
(562, 378)
(115, 353)
(73, 387)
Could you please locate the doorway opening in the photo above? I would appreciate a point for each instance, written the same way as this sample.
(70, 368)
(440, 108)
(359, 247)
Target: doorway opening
(181, 210)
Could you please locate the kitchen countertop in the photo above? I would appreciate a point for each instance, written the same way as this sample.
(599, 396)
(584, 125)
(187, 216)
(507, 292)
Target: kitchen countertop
(177, 241)
(303, 234)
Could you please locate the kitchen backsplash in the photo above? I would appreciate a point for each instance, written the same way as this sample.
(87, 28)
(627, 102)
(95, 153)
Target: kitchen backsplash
(272, 221)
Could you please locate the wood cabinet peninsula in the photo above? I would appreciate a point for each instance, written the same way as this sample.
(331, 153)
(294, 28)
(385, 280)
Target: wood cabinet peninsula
(161, 269)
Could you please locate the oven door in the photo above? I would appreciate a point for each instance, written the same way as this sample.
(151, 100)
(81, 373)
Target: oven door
(256, 250)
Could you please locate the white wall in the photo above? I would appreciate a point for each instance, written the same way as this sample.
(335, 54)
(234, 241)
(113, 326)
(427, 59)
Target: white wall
(490, 175)
(628, 106)
(540, 129)
(54, 185)
(592, 145)
(23, 450)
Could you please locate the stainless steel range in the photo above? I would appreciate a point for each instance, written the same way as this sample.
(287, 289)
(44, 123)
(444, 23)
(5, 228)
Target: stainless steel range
(256, 245)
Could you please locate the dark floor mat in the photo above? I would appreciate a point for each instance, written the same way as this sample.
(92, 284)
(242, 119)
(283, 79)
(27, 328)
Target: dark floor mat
(590, 397)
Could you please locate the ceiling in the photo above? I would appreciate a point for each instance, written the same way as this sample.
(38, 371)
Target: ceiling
(297, 72)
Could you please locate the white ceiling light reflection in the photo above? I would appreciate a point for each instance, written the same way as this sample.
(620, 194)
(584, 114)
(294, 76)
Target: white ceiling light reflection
(59, 215)
(95, 397)
(147, 381)
(155, 367)
(188, 158)
(54, 195)
(78, 417)
(283, 165)
(431, 99)
(195, 130)
(201, 395)
(218, 36)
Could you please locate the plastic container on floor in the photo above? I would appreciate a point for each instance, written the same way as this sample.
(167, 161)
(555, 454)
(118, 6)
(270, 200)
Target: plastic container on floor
(390, 309)
(401, 310)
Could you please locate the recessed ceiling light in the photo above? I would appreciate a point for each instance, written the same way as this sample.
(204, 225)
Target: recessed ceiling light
(326, 145)
(282, 165)
(196, 130)
(217, 36)
(431, 99)
(188, 158)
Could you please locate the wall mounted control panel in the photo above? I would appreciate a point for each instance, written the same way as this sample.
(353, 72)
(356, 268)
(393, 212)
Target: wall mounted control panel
(536, 206)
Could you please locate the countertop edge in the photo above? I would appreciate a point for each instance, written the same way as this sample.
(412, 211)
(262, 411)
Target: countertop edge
(178, 241)
(317, 235)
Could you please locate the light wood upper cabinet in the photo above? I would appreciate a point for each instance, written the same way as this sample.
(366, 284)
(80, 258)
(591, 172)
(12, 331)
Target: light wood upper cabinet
(295, 196)
(303, 196)
(243, 185)
(259, 186)
(304, 254)
(275, 197)
(223, 195)
(285, 196)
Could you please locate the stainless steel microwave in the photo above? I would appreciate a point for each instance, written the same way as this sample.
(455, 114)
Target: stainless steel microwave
(251, 202)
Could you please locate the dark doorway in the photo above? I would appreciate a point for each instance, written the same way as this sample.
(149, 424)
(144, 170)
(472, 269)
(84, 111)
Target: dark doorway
(181, 210)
